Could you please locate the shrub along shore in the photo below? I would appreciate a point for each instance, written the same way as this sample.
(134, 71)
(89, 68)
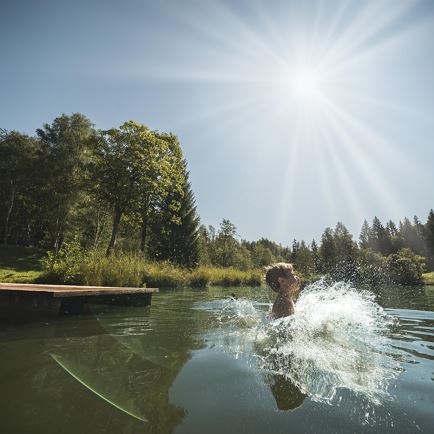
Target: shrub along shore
(428, 278)
(135, 271)
(75, 266)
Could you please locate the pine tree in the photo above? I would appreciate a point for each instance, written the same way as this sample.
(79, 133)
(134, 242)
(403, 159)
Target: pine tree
(305, 263)
(411, 238)
(185, 235)
(380, 238)
(396, 241)
(364, 235)
(327, 251)
(429, 239)
(294, 251)
(345, 246)
(177, 239)
(391, 229)
(204, 246)
(315, 255)
(420, 234)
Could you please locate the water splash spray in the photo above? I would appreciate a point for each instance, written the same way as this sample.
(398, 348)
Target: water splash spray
(337, 339)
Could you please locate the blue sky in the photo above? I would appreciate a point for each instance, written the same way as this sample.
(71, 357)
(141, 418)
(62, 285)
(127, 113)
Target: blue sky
(292, 115)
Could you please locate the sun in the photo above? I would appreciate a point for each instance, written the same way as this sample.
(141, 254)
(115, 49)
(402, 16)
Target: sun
(305, 83)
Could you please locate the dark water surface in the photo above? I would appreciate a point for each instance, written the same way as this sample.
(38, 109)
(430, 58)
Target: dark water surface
(190, 364)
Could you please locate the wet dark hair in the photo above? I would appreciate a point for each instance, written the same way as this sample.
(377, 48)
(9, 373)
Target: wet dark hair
(274, 271)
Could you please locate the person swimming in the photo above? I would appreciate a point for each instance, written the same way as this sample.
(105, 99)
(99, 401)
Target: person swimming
(281, 278)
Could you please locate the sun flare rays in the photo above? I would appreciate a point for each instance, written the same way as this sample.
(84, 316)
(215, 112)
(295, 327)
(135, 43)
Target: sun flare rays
(303, 83)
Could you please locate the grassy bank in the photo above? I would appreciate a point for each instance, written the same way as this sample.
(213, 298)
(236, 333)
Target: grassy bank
(20, 264)
(428, 278)
(126, 270)
(26, 265)
(130, 271)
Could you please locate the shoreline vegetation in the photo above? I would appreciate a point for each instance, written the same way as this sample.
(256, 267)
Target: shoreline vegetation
(428, 278)
(122, 269)
(116, 207)
(29, 265)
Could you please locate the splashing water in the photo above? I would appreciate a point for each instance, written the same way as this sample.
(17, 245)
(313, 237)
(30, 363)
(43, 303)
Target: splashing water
(337, 339)
(234, 313)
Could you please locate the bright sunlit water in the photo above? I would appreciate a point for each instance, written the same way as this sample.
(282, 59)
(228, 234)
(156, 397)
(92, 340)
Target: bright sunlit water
(201, 361)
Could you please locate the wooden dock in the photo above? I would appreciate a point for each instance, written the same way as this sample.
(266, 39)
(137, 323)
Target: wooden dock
(32, 300)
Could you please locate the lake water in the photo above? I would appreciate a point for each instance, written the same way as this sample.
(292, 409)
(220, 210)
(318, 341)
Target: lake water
(202, 362)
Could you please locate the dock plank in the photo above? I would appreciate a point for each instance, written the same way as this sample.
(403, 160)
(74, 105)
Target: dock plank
(72, 290)
(21, 301)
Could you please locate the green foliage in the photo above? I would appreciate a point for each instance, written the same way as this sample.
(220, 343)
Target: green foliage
(261, 255)
(370, 267)
(303, 259)
(224, 249)
(73, 190)
(116, 270)
(429, 237)
(70, 183)
(315, 256)
(378, 238)
(204, 276)
(225, 245)
(405, 267)
(163, 274)
(364, 235)
(428, 278)
(200, 277)
(17, 170)
(62, 162)
(65, 266)
(177, 240)
(327, 251)
(346, 248)
(133, 169)
(390, 239)
(164, 196)
(369, 258)
(412, 235)
(73, 265)
(242, 259)
(265, 252)
(204, 248)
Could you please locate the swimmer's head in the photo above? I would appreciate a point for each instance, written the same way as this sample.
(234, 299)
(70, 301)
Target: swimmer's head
(281, 276)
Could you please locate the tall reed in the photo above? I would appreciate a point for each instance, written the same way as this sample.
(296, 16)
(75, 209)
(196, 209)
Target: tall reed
(75, 266)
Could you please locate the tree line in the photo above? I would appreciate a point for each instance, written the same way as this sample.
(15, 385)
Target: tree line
(128, 189)
(401, 251)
